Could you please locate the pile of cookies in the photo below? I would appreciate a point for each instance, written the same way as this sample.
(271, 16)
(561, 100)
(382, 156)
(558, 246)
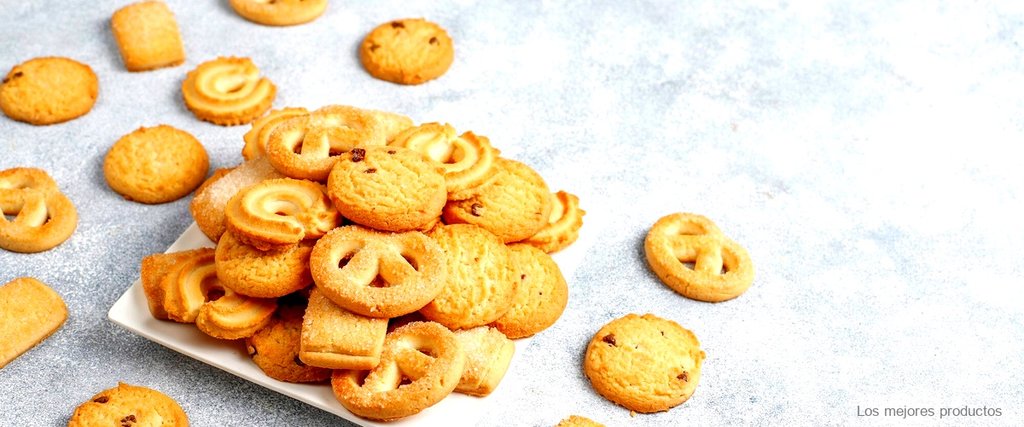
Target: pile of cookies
(398, 261)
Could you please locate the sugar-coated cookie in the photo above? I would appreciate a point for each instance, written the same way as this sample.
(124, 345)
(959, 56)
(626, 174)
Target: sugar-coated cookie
(488, 356)
(30, 312)
(335, 338)
(644, 363)
(207, 207)
(48, 90)
(514, 206)
(227, 91)
(275, 348)
(43, 216)
(147, 36)
(564, 223)
(262, 274)
(392, 123)
(407, 51)
(279, 12)
(155, 165)
(129, 405)
(540, 297)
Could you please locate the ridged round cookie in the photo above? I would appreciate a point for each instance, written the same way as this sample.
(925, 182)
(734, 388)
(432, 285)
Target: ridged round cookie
(644, 363)
(480, 285)
(564, 223)
(407, 51)
(262, 274)
(279, 12)
(387, 188)
(275, 348)
(227, 91)
(540, 297)
(155, 165)
(515, 206)
(48, 90)
(129, 405)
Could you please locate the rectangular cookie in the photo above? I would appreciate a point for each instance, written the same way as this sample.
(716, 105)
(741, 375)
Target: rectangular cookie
(488, 355)
(147, 36)
(29, 312)
(335, 338)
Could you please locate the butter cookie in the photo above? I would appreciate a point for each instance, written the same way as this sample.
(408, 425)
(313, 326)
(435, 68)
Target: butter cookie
(407, 51)
(48, 90)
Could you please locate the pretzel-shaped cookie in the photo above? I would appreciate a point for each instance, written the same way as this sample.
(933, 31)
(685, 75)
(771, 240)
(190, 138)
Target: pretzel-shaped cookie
(256, 138)
(425, 353)
(380, 274)
(721, 270)
(43, 217)
(468, 159)
(27, 179)
(278, 213)
(564, 224)
(308, 147)
(227, 91)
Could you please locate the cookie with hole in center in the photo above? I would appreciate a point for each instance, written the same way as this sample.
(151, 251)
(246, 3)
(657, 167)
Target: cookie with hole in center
(644, 363)
(407, 51)
(129, 405)
(48, 90)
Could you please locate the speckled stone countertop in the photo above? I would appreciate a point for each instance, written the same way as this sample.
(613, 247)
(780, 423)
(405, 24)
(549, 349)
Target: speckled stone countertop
(865, 153)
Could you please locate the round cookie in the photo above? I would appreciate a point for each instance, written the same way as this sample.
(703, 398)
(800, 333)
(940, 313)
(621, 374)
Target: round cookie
(129, 405)
(407, 51)
(252, 272)
(155, 165)
(279, 12)
(227, 91)
(387, 188)
(644, 363)
(48, 90)
(275, 348)
(578, 421)
(564, 223)
(540, 297)
(515, 206)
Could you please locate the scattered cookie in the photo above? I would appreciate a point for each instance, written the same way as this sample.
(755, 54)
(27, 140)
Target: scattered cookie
(540, 297)
(578, 421)
(30, 312)
(279, 12)
(48, 90)
(227, 91)
(147, 36)
(155, 165)
(515, 206)
(129, 405)
(644, 363)
(275, 348)
(691, 255)
(563, 226)
(407, 51)
(43, 216)
(252, 272)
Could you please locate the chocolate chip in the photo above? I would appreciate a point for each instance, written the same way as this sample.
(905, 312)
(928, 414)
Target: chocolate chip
(299, 361)
(684, 376)
(358, 154)
(392, 151)
(610, 339)
(252, 350)
(17, 74)
(370, 170)
(433, 40)
(101, 399)
(397, 24)
(475, 209)
(374, 47)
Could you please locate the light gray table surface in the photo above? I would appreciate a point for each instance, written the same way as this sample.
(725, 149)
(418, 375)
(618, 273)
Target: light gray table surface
(866, 153)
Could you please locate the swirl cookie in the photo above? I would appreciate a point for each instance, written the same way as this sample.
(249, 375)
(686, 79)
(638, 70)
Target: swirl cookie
(279, 12)
(147, 36)
(308, 147)
(275, 348)
(378, 274)
(207, 207)
(691, 255)
(540, 297)
(48, 90)
(515, 206)
(155, 165)
(564, 223)
(128, 405)
(387, 188)
(335, 338)
(480, 286)
(392, 124)
(227, 91)
(256, 138)
(30, 312)
(420, 365)
(644, 363)
(255, 273)
(43, 216)
(407, 51)
(467, 159)
(279, 213)
(154, 268)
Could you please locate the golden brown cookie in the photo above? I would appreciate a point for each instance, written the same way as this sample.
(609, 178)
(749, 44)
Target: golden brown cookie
(48, 90)
(307, 147)
(420, 365)
(208, 205)
(691, 255)
(43, 216)
(578, 421)
(154, 268)
(279, 213)
(488, 355)
(564, 223)
(279, 12)
(540, 297)
(480, 285)
(335, 338)
(387, 188)
(30, 312)
(467, 159)
(262, 274)
(644, 363)
(155, 165)
(128, 405)
(275, 348)
(256, 138)
(147, 36)
(407, 51)
(227, 91)
(392, 123)
(515, 206)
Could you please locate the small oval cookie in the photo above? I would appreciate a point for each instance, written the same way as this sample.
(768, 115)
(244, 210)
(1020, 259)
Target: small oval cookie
(275, 348)
(156, 165)
(48, 90)
(279, 12)
(262, 274)
(515, 206)
(407, 51)
(129, 405)
(644, 363)
(540, 297)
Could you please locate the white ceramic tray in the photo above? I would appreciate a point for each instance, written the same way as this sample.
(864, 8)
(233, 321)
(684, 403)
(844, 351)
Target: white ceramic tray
(131, 312)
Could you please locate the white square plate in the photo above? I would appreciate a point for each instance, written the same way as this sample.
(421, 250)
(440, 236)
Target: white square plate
(131, 311)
